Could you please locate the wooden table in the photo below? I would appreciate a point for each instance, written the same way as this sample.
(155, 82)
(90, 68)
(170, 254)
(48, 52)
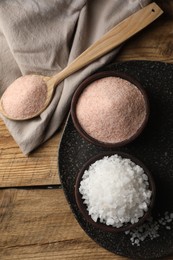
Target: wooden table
(35, 219)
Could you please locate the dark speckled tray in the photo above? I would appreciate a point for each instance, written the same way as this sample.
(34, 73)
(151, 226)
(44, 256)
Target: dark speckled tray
(154, 147)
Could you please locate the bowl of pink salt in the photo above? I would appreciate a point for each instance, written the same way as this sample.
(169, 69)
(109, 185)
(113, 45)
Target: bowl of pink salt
(115, 191)
(110, 109)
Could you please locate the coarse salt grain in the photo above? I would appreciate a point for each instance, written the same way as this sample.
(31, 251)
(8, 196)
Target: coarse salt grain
(150, 229)
(111, 109)
(24, 97)
(115, 191)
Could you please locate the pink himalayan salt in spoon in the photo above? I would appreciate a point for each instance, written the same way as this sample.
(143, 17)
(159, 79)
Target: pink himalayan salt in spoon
(21, 100)
(25, 96)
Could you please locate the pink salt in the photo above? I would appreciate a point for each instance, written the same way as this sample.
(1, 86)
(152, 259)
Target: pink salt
(24, 97)
(111, 109)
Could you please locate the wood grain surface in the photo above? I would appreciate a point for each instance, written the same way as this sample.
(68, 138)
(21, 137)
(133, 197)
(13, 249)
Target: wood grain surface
(37, 223)
(154, 43)
(16, 169)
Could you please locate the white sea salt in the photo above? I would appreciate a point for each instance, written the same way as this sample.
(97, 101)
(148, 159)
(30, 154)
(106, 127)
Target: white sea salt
(115, 191)
(150, 229)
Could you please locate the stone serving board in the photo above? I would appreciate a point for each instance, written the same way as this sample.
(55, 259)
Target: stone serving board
(154, 147)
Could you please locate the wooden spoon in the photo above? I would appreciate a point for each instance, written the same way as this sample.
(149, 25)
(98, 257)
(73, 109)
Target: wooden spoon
(106, 43)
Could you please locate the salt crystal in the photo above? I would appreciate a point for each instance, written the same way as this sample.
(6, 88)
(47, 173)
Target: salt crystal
(112, 193)
(169, 220)
(168, 227)
(149, 229)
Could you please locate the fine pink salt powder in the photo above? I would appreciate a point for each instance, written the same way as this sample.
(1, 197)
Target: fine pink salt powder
(111, 109)
(24, 97)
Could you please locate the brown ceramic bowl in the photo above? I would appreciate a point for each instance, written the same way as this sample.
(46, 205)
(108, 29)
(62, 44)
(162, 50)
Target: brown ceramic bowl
(79, 91)
(82, 206)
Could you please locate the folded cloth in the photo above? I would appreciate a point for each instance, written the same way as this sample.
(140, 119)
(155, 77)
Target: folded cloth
(43, 37)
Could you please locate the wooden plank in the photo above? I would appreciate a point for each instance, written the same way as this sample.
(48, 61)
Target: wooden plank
(40, 168)
(38, 224)
(153, 43)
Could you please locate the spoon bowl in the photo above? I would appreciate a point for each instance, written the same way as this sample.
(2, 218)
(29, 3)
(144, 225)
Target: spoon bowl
(113, 38)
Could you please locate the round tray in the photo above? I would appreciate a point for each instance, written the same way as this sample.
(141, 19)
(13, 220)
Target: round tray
(154, 147)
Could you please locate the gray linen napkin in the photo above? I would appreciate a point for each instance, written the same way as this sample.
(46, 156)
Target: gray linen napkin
(42, 37)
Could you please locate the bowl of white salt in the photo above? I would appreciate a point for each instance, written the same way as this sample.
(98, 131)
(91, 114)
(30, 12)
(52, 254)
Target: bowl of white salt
(110, 109)
(115, 192)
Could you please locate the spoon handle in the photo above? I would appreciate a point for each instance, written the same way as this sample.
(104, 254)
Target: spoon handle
(112, 39)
